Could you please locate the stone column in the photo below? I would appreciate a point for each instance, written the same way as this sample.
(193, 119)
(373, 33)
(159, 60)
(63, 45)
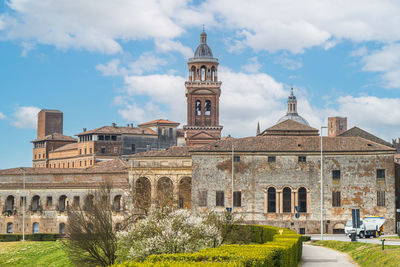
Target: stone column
(153, 191)
(293, 196)
(266, 202)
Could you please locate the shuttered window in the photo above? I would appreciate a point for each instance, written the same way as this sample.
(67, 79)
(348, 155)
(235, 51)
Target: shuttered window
(336, 201)
(219, 199)
(203, 198)
(237, 199)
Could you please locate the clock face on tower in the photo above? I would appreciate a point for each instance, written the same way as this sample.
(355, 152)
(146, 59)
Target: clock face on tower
(202, 94)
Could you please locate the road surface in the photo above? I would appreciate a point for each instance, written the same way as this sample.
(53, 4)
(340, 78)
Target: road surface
(315, 256)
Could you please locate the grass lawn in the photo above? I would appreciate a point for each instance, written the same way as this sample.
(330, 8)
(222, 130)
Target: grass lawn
(33, 253)
(366, 254)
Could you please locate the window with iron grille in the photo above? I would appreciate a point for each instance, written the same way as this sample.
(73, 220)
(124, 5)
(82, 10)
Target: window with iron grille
(302, 159)
(380, 173)
(219, 199)
(336, 174)
(237, 199)
(271, 158)
(203, 198)
(380, 196)
(236, 158)
(336, 202)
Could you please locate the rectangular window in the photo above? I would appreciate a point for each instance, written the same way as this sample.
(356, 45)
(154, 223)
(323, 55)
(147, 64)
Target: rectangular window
(101, 137)
(107, 137)
(336, 174)
(114, 138)
(90, 150)
(49, 201)
(80, 151)
(271, 158)
(380, 196)
(237, 199)
(103, 150)
(236, 158)
(219, 199)
(148, 147)
(115, 149)
(171, 132)
(203, 198)
(336, 202)
(85, 151)
(302, 159)
(133, 148)
(380, 173)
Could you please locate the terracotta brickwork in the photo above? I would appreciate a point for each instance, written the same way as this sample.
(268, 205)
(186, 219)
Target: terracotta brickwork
(336, 126)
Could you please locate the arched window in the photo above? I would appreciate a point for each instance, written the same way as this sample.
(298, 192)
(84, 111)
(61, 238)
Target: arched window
(271, 199)
(203, 73)
(9, 228)
(142, 193)
(61, 203)
(302, 199)
(35, 228)
(287, 199)
(9, 203)
(192, 74)
(35, 205)
(198, 107)
(61, 228)
(207, 108)
(117, 203)
(213, 74)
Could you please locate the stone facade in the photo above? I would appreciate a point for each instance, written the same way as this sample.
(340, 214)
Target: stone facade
(259, 166)
(50, 192)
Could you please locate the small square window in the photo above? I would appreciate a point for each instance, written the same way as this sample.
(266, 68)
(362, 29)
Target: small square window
(380, 174)
(103, 150)
(49, 201)
(236, 158)
(302, 159)
(114, 138)
(107, 137)
(336, 174)
(101, 137)
(237, 199)
(271, 158)
(219, 199)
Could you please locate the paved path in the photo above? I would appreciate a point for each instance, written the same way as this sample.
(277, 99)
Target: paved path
(314, 256)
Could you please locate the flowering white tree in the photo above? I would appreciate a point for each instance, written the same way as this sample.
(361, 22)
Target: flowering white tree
(167, 232)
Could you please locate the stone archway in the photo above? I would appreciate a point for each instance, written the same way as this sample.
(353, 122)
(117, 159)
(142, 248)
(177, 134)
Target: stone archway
(142, 193)
(185, 193)
(338, 228)
(165, 194)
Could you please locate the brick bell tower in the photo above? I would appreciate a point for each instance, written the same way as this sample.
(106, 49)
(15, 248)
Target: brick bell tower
(202, 94)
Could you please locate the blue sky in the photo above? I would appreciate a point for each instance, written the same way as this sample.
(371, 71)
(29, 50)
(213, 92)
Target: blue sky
(124, 61)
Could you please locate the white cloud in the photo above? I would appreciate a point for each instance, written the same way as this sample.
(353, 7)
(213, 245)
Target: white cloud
(25, 117)
(147, 62)
(287, 62)
(298, 25)
(111, 68)
(95, 25)
(169, 45)
(2, 116)
(386, 61)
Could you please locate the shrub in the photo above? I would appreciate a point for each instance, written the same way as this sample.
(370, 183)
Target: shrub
(31, 237)
(258, 246)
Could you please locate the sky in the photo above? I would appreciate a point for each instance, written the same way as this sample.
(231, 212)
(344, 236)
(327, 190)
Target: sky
(123, 61)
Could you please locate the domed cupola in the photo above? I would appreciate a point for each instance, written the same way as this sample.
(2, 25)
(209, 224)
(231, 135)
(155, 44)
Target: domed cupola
(292, 111)
(203, 50)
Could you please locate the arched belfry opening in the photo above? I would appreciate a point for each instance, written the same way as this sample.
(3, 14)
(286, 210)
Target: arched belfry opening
(202, 93)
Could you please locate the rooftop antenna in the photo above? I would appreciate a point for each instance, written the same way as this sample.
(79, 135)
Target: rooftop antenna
(203, 27)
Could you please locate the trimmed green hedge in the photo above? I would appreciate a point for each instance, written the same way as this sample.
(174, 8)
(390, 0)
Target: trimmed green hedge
(248, 245)
(30, 237)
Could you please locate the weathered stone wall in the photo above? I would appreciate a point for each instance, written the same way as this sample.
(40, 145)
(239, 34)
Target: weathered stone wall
(358, 185)
(47, 185)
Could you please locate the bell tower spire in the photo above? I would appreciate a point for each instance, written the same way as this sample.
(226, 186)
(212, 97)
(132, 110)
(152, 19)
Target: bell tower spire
(202, 94)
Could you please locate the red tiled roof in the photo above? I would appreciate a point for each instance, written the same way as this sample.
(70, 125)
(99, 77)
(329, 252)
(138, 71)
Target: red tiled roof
(290, 125)
(355, 131)
(270, 143)
(111, 166)
(174, 151)
(56, 137)
(119, 130)
(66, 147)
(159, 121)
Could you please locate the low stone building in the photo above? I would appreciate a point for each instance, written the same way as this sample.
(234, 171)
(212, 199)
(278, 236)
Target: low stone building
(49, 192)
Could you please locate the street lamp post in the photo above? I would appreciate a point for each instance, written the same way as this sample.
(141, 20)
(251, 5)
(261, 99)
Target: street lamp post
(322, 191)
(23, 208)
(233, 168)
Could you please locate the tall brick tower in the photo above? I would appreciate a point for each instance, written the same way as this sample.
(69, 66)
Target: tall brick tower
(336, 126)
(202, 94)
